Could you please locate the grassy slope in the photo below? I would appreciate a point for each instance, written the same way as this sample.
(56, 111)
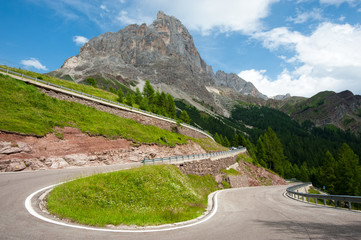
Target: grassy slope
(24, 109)
(69, 84)
(150, 195)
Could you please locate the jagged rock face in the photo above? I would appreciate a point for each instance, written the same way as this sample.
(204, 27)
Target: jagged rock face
(163, 52)
(233, 81)
(281, 97)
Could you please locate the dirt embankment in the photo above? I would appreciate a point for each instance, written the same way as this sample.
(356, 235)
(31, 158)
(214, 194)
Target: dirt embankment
(252, 175)
(248, 173)
(74, 148)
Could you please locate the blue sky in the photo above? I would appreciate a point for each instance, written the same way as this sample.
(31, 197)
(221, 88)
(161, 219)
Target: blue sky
(299, 47)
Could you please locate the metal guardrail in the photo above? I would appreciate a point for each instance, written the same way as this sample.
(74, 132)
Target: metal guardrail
(194, 157)
(123, 106)
(348, 200)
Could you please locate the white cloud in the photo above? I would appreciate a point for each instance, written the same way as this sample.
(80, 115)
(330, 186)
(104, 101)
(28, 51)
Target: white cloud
(201, 15)
(103, 7)
(329, 58)
(336, 2)
(80, 40)
(315, 14)
(33, 62)
(124, 18)
(209, 15)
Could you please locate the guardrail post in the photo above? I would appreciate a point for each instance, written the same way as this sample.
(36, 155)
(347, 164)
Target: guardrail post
(324, 202)
(316, 201)
(308, 199)
(335, 203)
(349, 205)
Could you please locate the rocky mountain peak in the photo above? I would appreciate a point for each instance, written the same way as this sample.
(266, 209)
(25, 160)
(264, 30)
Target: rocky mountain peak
(163, 52)
(232, 80)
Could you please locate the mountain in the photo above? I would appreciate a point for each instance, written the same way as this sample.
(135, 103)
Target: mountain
(163, 52)
(342, 110)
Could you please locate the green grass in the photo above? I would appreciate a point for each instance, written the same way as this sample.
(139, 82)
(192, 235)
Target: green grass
(226, 185)
(313, 191)
(230, 172)
(69, 84)
(209, 145)
(24, 109)
(149, 195)
(245, 158)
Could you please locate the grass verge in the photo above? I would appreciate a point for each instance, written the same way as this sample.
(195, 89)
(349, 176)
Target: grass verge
(24, 109)
(209, 145)
(69, 84)
(149, 195)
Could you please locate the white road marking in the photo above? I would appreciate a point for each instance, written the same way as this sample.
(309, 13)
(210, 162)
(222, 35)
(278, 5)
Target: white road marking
(31, 210)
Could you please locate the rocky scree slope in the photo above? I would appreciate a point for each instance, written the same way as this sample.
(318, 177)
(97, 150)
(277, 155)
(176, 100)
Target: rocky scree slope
(163, 52)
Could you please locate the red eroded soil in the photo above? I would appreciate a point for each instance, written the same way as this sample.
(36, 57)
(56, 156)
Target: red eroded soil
(74, 141)
(70, 147)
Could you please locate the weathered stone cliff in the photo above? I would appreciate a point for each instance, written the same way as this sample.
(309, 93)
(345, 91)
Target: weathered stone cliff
(163, 52)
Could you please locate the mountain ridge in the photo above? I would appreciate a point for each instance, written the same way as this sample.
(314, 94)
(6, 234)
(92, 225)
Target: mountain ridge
(163, 52)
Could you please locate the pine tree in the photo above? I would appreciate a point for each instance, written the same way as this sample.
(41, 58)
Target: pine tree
(148, 91)
(327, 173)
(270, 151)
(171, 109)
(120, 96)
(225, 141)
(217, 138)
(235, 140)
(185, 117)
(129, 99)
(138, 96)
(348, 172)
(144, 104)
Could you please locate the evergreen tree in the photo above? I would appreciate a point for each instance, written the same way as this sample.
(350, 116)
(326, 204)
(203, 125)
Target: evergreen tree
(171, 109)
(120, 96)
(185, 117)
(270, 151)
(144, 104)
(347, 172)
(129, 99)
(225, 141)
(138, 96)
(235, 141)
(148, 91)
(327, 173)
(91, 81)
(162, 101)
(217, 138)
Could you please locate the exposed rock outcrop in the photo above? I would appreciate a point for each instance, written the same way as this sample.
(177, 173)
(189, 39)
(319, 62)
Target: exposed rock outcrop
(163, 52)
(75, 148)
(249, 174)
(233, 81)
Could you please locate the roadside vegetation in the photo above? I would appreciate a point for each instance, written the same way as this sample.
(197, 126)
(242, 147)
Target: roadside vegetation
(149, 195)
(24, 109)
(92, 90)
(149, 100)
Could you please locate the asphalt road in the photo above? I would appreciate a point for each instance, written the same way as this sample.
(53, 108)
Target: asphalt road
(245, 213)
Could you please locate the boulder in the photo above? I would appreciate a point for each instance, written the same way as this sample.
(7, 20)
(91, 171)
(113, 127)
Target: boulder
(15, 165)
(76, 159)
(56, 162)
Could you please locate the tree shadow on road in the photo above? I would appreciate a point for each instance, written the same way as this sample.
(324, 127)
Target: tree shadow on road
(314, 230)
